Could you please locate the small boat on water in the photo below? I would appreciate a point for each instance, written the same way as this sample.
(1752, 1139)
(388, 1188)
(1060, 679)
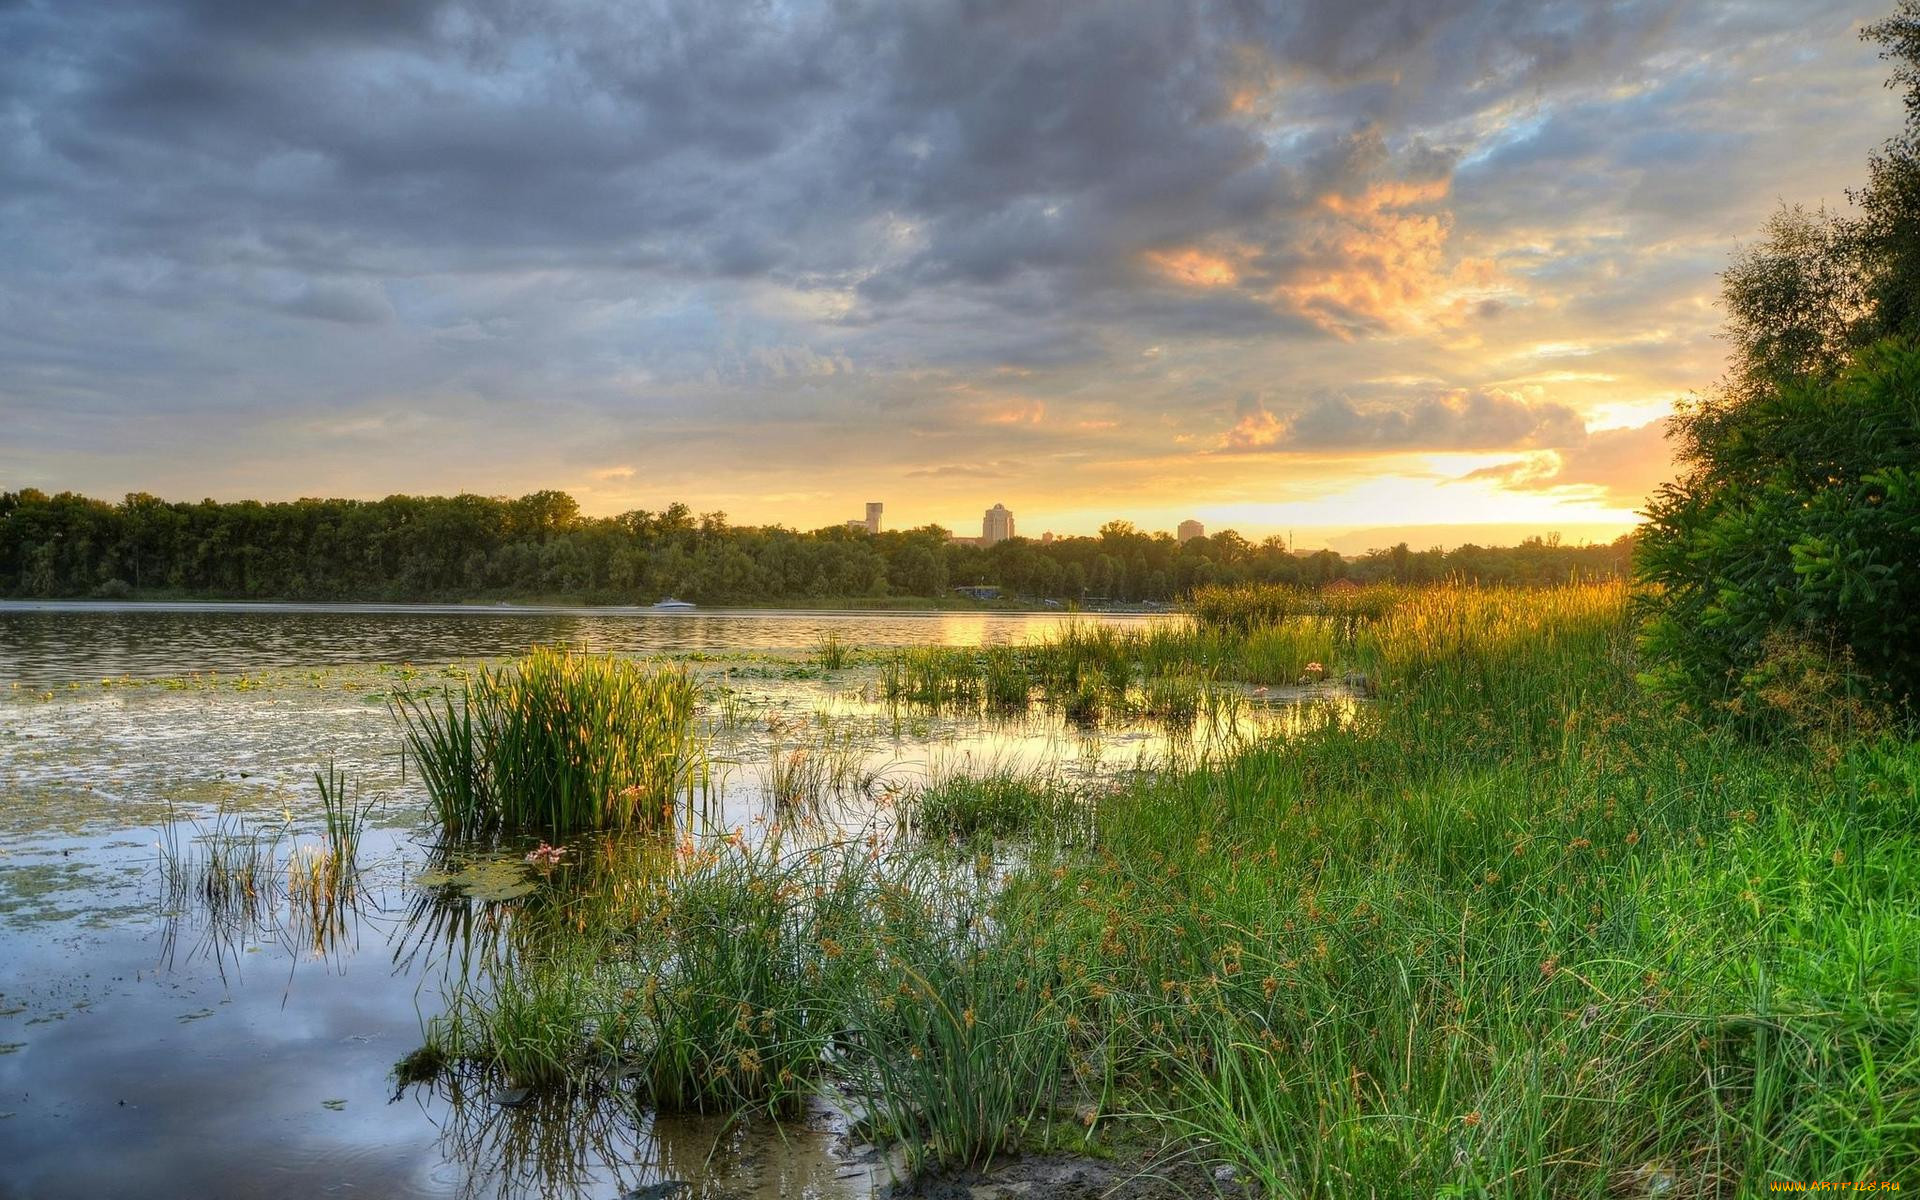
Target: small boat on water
(672, 605)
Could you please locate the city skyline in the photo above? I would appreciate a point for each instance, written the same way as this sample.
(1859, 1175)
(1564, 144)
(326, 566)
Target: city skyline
(1313, 272)
(1349, 542)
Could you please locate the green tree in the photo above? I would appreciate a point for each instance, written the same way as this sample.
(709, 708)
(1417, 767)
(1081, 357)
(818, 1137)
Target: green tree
(1782, 559)
(1799, 528)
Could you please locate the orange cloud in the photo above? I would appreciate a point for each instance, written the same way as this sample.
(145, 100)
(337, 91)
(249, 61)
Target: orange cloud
(1618, 466)
(1385, 195)
(1194, 268)
(1377, 259)
(1019, 412)
(1255, 430)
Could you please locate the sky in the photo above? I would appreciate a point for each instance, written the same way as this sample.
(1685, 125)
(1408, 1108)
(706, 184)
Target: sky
(1354, 270)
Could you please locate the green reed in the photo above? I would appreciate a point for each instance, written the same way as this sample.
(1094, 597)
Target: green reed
(343, 818)
(1249, 606)
(1000, 802)
(557, 741)
(833, 653)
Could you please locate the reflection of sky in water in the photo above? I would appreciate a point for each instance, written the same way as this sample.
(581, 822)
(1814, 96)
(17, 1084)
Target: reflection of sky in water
(44, 645)
(188, 1056)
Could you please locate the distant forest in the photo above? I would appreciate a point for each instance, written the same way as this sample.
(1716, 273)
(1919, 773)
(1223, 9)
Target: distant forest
(541, 547)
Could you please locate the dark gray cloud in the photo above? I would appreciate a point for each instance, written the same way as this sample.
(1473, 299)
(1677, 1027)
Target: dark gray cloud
(1486, 419)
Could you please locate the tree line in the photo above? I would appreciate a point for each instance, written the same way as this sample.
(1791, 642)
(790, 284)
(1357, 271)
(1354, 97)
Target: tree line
(540, 546)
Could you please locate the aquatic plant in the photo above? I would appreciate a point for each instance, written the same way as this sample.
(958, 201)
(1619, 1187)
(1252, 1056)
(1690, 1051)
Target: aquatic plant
(963, 1058)
(558, 741)
(1085, 703)
(833, 653)
(1000, 802)
(343, 818)
(1174, 699)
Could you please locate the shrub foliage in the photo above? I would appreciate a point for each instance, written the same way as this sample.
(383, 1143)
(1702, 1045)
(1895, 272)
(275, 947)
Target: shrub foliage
(1800, 520)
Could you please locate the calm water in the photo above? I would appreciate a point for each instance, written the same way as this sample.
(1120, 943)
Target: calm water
(43, 644)
(153, 1043)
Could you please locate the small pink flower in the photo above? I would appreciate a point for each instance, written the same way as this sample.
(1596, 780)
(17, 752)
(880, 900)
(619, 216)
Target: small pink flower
(545, 856)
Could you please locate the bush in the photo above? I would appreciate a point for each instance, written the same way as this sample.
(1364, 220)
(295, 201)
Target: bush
(1799, 520)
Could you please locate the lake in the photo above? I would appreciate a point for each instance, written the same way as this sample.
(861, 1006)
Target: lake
(160, 1040)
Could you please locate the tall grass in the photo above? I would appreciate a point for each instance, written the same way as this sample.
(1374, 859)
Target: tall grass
(965, 1056)
(557, 741)
(1250, 606)
(343, 818)
(1511, 931)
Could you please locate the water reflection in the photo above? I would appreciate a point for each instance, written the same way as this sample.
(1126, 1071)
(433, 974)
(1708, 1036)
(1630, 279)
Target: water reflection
(229, 884)
(602, 1143)
(52, 643)
(284, 993)
(513, 1143)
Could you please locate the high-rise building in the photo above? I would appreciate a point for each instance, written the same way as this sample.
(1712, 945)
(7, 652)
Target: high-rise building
(1191, 529)
(996, 525)
(873, 516)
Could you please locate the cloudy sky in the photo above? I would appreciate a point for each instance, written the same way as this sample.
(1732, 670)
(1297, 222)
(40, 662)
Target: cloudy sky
(1348, 267)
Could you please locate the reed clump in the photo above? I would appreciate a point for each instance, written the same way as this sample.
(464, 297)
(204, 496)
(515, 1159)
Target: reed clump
(556, 741)
(833, 652)
(1248, 606)
(1001, 802)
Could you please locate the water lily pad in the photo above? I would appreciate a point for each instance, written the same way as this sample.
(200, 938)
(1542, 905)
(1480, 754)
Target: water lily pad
(502, 891)
(491, 879)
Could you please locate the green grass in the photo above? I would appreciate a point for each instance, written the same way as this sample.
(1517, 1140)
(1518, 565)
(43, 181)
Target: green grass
(1252, 606)
(996, 803)
(1511, 930)
(557, 741)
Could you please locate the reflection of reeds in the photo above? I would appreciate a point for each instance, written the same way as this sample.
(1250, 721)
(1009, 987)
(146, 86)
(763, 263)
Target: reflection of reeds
(229, 880)
(221, 879)
(547, 1144)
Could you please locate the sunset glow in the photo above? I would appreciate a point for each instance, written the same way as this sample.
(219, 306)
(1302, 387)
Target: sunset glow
(1328, 276)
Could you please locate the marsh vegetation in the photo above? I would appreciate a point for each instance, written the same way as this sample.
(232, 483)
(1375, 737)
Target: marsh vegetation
(1508, 928)
(1399, 892)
